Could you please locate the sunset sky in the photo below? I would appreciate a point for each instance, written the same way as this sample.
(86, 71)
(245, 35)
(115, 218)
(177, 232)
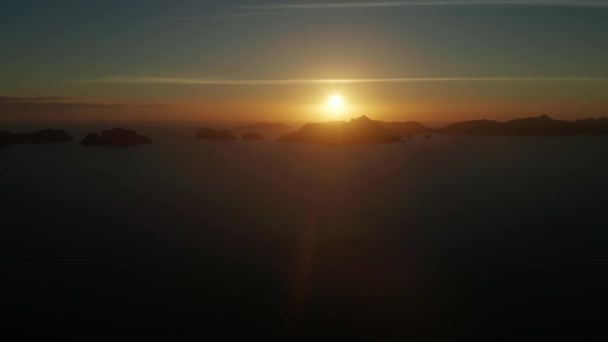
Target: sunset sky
(237, 60)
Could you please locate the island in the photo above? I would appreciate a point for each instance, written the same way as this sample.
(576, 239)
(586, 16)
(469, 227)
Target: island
(406, 127)
(252, 137)
(215, 135)
(535, 126)
(361, 130)
(116, 137)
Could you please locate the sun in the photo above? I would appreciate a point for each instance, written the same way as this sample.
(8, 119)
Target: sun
(335, 105)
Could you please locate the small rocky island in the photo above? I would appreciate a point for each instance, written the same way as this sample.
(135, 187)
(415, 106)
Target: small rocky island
(356, 131)
(215, 135)
(39, 137)
(252, 137)
(116, 137)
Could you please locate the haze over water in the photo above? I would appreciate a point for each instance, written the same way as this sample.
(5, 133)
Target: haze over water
(456, 236)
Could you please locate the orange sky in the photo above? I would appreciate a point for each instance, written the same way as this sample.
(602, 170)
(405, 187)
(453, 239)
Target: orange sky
(234, 61)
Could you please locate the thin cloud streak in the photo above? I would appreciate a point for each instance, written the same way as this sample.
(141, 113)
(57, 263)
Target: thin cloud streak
(276, 82)
(247, 11)
(382, 4)
(221, 16)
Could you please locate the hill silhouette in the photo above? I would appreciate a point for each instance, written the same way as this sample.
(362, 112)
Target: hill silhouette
(407, 127)
(217, 135)
(265, 126)
(252, 137)
(356, 131)
(116, 137)
(534, 126)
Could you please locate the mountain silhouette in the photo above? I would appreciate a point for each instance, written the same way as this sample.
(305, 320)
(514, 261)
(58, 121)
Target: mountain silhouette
(116, 137)
(356, 131)
(534, 126)
(217, 135)
(472, 127)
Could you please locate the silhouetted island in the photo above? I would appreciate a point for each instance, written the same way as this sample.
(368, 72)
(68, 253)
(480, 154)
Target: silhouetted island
(356, 131)
(407, 127)
(39, 137)
(116, 137)
(266, 126)
(534, 126)
(252, 137)
(213, 134)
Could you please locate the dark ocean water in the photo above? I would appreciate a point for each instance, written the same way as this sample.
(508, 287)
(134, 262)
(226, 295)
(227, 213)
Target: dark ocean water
(501, 238)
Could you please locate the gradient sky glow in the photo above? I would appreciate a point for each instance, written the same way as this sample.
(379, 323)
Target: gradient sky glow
(432, 61)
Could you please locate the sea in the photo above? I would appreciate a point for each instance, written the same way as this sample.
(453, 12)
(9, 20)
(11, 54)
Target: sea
(477, 237)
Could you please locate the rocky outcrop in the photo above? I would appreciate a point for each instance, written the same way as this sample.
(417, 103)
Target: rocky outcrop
(356, 131)
(39, 137)
(116, 137)
(252, 137)
(215, 135)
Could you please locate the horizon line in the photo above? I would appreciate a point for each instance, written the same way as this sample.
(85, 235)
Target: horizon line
(296, 81)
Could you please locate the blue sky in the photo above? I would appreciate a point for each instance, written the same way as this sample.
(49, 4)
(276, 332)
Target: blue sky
(426, 60)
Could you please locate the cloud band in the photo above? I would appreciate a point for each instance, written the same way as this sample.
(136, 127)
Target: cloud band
(277, 82)
(381, 4)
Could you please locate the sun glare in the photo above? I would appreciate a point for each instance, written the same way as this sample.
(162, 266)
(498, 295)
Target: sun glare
(335, 105)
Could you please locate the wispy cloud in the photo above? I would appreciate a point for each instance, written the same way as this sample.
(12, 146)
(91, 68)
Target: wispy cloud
(278, 82)
(381, 4)
(245, 11)
(235, 15)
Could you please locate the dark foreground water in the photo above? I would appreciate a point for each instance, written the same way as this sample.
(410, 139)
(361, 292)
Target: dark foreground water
(500, 238)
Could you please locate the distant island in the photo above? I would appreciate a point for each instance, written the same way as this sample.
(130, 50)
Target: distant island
(407, 127)
(265, 126)
(252, 137)
(534, 126)
(215, 135)
(364, 130)
(361, 130)
(542, 125)
(116, 137)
